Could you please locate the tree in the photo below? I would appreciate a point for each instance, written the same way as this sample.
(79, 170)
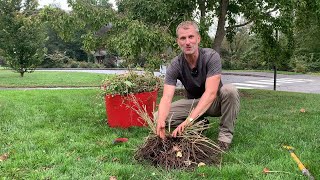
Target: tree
(162, 16)
(307, 36)
(170, 13)
(71, 49)
(133, 40)
(165, 13)
(22, 37)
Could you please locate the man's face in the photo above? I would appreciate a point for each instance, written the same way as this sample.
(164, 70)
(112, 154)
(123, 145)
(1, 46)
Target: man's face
(188, 40)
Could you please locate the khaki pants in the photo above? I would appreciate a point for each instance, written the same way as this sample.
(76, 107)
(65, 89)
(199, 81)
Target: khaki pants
(226, 106)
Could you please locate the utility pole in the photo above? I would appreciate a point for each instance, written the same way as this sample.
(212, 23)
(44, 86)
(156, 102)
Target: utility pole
(275, 67)
(274, 77)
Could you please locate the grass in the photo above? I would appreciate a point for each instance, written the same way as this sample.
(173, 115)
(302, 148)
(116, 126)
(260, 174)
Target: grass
(62, 134)
(50, 79)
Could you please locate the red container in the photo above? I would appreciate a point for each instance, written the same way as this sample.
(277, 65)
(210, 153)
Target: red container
(120, 109)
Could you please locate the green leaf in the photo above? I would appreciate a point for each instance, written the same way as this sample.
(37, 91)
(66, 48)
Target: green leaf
(128, 83)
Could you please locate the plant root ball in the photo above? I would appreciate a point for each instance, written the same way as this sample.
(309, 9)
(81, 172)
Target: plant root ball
(178, 153)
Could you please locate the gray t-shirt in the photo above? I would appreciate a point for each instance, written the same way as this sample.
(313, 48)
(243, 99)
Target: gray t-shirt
(208, 64)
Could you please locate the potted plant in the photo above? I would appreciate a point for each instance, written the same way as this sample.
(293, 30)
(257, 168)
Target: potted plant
(121, 93)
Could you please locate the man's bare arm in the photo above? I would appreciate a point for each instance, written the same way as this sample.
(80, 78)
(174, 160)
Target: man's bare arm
(207, 98)
(164, 109)
(212, 86)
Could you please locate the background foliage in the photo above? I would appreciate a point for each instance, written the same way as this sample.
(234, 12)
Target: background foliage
(249, 34)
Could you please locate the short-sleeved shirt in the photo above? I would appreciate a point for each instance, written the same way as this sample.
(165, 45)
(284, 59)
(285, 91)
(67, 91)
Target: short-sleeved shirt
(208, 64)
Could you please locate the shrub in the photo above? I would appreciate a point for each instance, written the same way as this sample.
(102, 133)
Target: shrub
(83, 64)
(300, 67)
(55, 60)
(73, 64)
(131, 82)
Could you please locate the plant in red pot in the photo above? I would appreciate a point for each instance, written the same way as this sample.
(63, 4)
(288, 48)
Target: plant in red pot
(126, 93)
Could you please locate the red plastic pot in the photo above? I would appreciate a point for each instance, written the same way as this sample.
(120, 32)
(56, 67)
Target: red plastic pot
(120, 109)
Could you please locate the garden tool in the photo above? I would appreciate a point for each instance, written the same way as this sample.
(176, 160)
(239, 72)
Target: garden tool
(302, 168)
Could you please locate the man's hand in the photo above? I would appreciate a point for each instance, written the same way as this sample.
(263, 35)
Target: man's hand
(180, 128)
(161, 129)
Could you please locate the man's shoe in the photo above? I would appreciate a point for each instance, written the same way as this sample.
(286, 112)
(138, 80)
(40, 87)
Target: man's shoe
(224, 146)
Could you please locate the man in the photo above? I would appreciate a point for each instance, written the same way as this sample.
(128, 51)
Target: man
(199, 70)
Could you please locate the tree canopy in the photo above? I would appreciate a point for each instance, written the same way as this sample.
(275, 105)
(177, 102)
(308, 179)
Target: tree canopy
(142, 32)
(22, 36)
(104, 28)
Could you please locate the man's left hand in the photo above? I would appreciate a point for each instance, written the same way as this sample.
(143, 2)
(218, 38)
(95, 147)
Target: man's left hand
(180, 128)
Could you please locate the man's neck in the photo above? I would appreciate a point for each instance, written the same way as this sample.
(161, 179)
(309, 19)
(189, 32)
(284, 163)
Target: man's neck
(192, 59)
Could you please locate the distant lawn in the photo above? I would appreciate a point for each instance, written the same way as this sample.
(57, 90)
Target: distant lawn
(9, 78)
(62, 134)
(12, 79)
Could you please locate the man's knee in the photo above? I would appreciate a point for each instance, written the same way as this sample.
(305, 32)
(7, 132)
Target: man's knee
(229, 90)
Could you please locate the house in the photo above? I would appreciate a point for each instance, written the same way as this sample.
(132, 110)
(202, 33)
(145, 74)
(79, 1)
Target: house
(100, 56)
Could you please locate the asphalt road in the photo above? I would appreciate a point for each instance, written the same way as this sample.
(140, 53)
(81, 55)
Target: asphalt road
(258, 80)
(247, 80)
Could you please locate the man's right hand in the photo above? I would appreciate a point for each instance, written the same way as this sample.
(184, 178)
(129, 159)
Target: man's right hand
(164, 109)
(161, 129)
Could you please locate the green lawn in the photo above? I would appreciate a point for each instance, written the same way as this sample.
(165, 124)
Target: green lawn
(62, 134)
(9, 78)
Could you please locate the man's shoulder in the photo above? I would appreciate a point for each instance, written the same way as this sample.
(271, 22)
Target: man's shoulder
(177, 58)
(208, 51)
(209, 54)
(176, 61)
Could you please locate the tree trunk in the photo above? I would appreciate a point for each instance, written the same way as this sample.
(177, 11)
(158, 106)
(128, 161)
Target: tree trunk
(221, 31)
(21, 73)
(202, 8)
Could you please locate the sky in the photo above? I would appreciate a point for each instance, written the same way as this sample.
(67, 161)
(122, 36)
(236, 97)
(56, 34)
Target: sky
(61, 3)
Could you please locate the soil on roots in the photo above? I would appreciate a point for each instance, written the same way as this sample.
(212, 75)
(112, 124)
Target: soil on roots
(178, 153)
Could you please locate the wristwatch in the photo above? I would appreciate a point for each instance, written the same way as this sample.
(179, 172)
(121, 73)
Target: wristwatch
(190, 119)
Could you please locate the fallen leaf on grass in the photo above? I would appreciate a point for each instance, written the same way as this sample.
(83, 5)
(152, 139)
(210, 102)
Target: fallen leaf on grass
(113, 178)
(4, 157)
(102, 158)
(46, 168)
(202, 174)
(115, 159)
(120, 140)
(265, 171)
(302, 110)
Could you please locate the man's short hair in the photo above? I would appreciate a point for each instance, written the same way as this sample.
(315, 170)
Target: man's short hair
(186, 24)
